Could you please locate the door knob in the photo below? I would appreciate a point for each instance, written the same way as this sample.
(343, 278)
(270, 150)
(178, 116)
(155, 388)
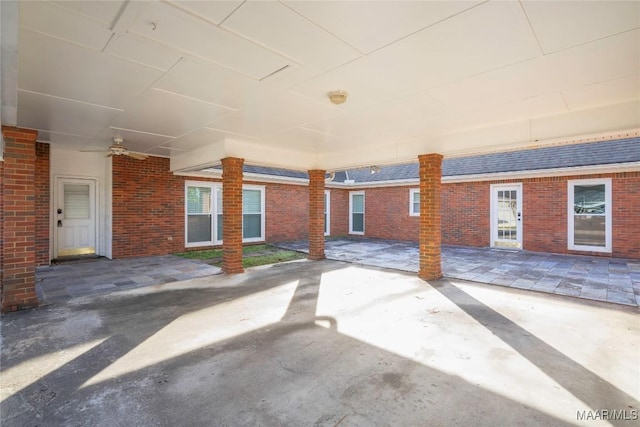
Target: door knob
(59, 223)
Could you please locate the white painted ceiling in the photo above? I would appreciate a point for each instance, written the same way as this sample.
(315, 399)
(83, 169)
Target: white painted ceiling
(198, 80)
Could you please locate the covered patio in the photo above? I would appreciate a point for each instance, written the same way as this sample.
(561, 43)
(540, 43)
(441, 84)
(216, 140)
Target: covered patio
(322, 343)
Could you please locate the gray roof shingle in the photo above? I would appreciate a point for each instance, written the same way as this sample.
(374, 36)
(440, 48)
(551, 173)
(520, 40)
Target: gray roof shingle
(551, 157)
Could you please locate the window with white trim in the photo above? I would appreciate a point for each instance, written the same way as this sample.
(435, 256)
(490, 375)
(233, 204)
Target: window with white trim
(356, 212)
(414, 202)
(203, 213)
(252, 213)
(589, 209)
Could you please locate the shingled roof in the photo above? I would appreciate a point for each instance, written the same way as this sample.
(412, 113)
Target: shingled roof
(552, 157)
(543, 158)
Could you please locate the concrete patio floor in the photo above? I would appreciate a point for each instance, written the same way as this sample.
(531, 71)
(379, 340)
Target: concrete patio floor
(611, 280)
(322, 343)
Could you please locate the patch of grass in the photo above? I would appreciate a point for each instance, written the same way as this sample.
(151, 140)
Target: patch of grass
(252, 256)
(207, 254)
(281, 256)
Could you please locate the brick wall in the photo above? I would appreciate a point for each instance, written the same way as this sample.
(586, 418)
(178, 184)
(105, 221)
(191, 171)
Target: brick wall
(148, 186)
(148, 208)
(339, 221)
(287, 212)
(18, 226)
(42, 202)
(626, 215)
(465, 214)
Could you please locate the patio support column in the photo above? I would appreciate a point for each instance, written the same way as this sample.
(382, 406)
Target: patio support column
(316, 214)
(18, 220)
(232, 215)
(430, 220)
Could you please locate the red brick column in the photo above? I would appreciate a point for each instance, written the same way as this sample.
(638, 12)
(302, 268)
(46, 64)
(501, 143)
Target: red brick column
(232, 215)
(18, 221)
(430, 220)
(316, 214)
(43, 206)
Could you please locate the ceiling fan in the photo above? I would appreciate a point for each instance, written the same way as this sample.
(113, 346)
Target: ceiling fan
(117, 149)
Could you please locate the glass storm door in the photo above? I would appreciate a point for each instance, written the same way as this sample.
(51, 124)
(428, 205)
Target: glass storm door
(75, 217)
(506, 216)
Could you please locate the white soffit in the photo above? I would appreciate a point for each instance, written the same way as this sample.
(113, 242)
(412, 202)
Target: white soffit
(142, 51)
(213, 11)
(285, 111)
(370, 25)
(101, 79)
(311, 45)
(166, 113)
(62, 115)
(602, 93)
(211, 83)
(588, 21)
(611, 58)
(195, 139)
(53, 20)
(62, 140)
(180, 30)
(459, 47)
(101, 11)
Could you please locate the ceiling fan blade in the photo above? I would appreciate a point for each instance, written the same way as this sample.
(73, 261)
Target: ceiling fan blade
(136, 156)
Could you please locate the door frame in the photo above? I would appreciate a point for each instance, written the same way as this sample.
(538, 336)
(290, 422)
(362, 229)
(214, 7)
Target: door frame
(494, 241)
(57, 181)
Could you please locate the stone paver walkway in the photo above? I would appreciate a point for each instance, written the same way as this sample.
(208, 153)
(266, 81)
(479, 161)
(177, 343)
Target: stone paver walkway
(98, 276)
(612, 280)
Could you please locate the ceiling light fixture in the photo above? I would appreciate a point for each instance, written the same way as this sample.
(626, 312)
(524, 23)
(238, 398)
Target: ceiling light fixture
(338, 96)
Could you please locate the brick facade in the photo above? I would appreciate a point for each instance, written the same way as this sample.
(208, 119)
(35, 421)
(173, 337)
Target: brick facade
(316, 214)
(43, 203)
(18, 222)
(286, 211)
(430, 216)
(148, 208)
(465, 213)
(232, 215)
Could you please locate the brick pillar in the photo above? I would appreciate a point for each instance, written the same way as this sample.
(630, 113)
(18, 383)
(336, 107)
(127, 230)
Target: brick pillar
(18, 221)
(232, 215)
(430, 221)
(43, 206)
(316, 214)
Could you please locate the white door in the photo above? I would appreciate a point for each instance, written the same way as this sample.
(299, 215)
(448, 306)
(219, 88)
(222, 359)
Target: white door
(506, 216)
(75, 217)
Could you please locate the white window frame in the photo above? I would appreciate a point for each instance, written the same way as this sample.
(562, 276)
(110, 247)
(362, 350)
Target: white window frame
(412, 195)
(261, 188)
(327, 211)
(351, 194)
(217, 186)
(608, 229)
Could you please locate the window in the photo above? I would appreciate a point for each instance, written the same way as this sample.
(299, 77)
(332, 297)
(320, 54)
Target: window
(589, 206)
(203, 210)
(327, 212)
(356, 212)
(252, 214)
(414, 202)
(199, 214)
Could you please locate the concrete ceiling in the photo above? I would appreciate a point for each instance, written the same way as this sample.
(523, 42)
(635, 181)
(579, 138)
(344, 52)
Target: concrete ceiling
(198, 81)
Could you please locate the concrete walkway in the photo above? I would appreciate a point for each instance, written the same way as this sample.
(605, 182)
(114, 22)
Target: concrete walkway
(611, 280)
(321, 343)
